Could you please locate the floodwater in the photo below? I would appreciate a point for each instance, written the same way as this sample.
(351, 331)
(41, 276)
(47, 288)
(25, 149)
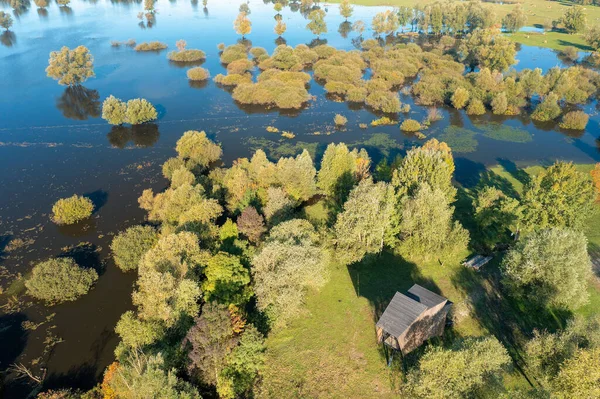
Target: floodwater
(53, 144)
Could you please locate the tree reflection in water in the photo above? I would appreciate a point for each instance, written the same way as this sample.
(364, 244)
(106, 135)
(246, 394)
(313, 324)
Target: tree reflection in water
(8, 38)
(79, 103)
(144, 136)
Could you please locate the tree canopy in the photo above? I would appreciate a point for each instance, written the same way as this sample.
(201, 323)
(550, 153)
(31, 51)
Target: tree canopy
(71, 67)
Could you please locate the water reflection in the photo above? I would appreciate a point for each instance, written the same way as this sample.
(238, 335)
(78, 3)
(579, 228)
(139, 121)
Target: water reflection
(344, 29)
(42, 13)
(79, 229)
(198, 84)
(141, 135)
(79, 103)
(66, 10)
(8, 38)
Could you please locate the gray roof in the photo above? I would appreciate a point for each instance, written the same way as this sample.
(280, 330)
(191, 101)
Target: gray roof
(424, 296)
(403, 310)
(400, 314)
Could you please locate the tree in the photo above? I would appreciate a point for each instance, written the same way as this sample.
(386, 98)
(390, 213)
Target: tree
(365, 221)
(251, 224)
(280, 27)
(72, 210)
(211, 340)
(496, 215)
(5, 20)
(129, 246)
(579, 377)
(143, 376)
(460, 98)
(114, 111)
(59, 280)
(431, 164)
(317, 23)
(385, 22)
(458, 372)
(286, 266)
(514, 20)
(574, 20)
(136, 333)
(297, 176)
(405, 15)
(245, 361)
(242, 24)
(71, 67)
(592, 37)
(140, 111)
(549, 267)
(595, 173)
(346, 9)
(487, 48)
(341, 169)
(548, 109)
(197, 150)
(559, 196)
(279, 206)
(426, 226)
(226, 279)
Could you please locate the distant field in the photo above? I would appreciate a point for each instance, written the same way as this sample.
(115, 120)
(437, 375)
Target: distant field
(553, 40)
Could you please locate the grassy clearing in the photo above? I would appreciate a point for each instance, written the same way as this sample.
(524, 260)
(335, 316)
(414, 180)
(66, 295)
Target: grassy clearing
(553, 40)
(330, 351)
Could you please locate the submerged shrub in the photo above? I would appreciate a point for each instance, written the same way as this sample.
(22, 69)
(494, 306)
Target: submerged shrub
(150, 46)
(234, 52)
(240, 66)
(257, 52)
(547, 110)
(59, 280)
(475, 107)
(356, 95)
(384, 101)
(410, 125)
(114, 111)
(71, 210)
(198, 73)
(233, 79)
(190, 55)
(139, 111)
(340, 120)
(575, 120)
(285, 95)
(130, 245)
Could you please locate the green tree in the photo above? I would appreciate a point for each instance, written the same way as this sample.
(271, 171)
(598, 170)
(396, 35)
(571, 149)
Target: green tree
(317, 23)
(139, 111)
(548, 109)
(5, 20)
(286, 266)
(59, 280)
(114, 111)
(341, 169)
(385, 22)
(496, 215)
(143, 376)
(405, 16)
(487, 48)
(71, 67)
(197, 150)
(579, 377)
(549, 267)
(136, 333)
(245, 361)
(129, 246)
(460, 98)
(297, 176)
(592, 37)
(346, 9)
(226, 279)
(515, 20)
(72, 209)
(279, 206)
(426, 227)
(559, 196)
(574, 20)
(458, 372)
(365, 221)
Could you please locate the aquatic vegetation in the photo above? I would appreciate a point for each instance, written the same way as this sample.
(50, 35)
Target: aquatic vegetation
(506, 133)
(240, 66)
(234, 52)
(383, 121)
(384, 101)
(272, 129)
(150, 46)
(459, 139)
(288, 135)
(410, 125)
(71, 210)
(186, 55)
(59, 280)
(272, 92)
(363, 125)
(340, 120)
(575, 120)
(233, 79)
(198, 73)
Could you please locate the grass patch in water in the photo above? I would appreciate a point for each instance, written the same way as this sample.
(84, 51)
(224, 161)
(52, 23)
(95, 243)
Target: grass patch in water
(506, 133)
(459, 139)
(278, 149)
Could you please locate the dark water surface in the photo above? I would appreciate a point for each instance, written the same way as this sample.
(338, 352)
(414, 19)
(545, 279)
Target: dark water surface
(53, 144)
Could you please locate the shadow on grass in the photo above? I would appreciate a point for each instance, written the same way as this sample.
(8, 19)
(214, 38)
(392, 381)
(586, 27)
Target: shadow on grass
(515, 172)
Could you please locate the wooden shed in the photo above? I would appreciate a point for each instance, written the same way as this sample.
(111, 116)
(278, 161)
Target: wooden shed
(411, 319)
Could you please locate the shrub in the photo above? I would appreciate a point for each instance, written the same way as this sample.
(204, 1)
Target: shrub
(114, 111)
(59, 280)
(369, 44)
(150, 46)
(190, 55)
(257, 52)
(575, 120)
(357, 95)
(240, 66)
(460, 98)
(570, 53)
(410, 125)
(340, 120)
(221, 46)
(139, 111)
(383, 121)
(129, 246)
(71, 210)
(198, 73)
(384, 101)
(284, 95)
(233, 80)
(71, 67)
(547, 110)
(234, 52)
(475, 107)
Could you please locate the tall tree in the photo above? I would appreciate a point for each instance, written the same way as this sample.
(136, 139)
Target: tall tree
(346, 9)
(574, 20)
(487, 48)
(71, 67)
(341, 169)
(242, 24)
(549, 268)
(514, 20)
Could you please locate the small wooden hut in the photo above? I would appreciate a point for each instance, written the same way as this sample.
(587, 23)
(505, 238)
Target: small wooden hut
(411, 319)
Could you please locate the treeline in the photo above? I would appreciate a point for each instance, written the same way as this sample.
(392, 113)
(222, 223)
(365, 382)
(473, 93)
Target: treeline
(230, 253)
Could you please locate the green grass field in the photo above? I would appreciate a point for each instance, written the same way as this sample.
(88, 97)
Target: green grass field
(331, 352)
(553, 40)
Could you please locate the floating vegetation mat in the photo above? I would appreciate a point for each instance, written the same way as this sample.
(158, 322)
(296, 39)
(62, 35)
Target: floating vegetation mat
(459, 139)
